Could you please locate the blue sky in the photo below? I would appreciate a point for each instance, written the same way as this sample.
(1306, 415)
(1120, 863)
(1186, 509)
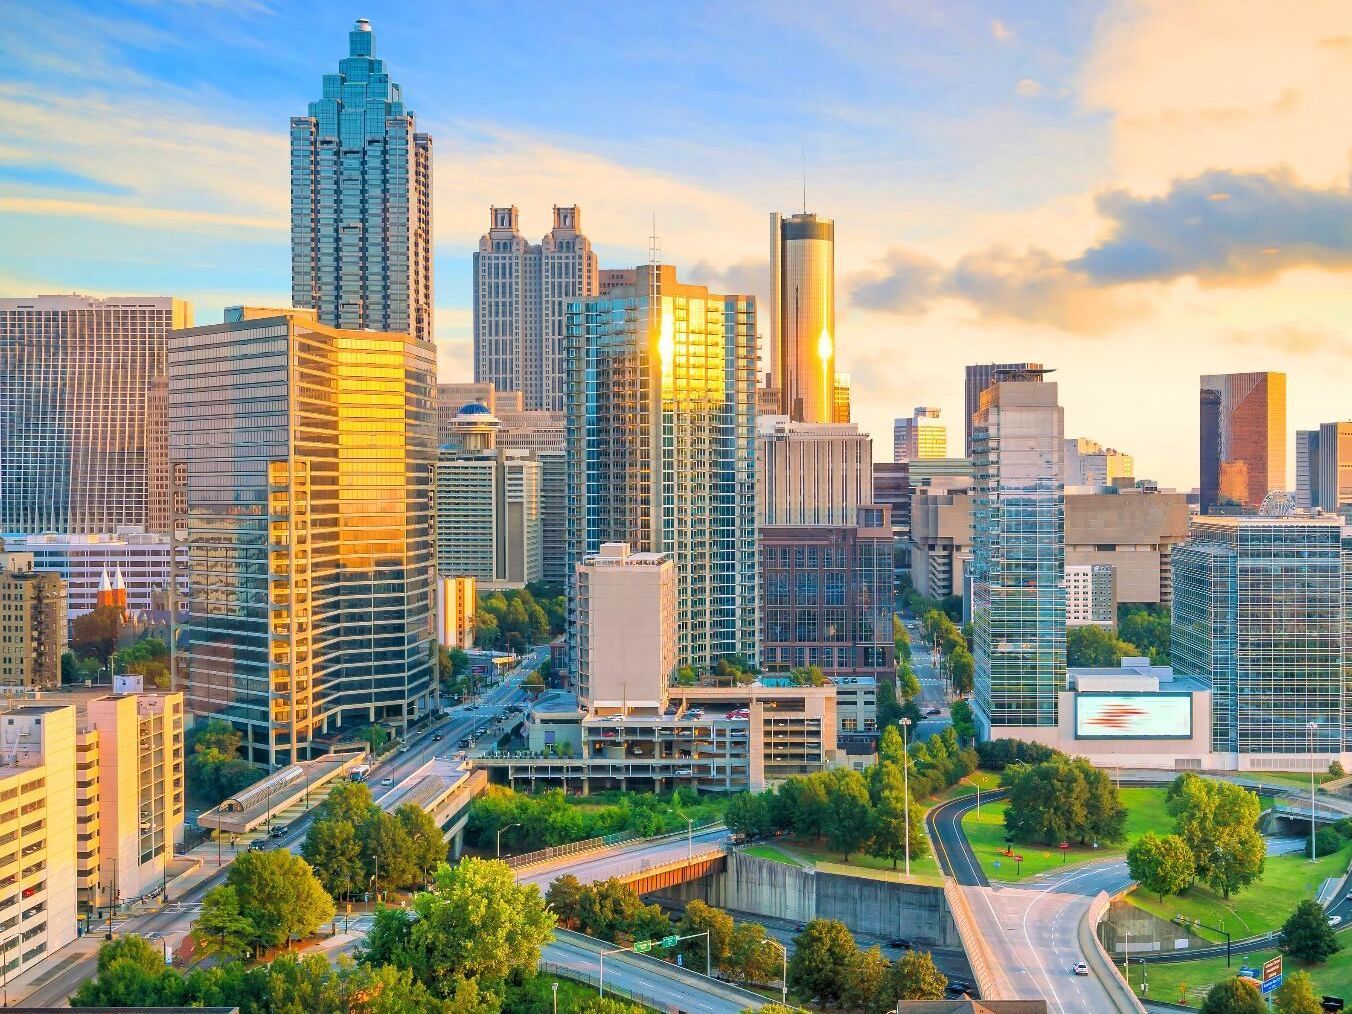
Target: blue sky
(1125, 182)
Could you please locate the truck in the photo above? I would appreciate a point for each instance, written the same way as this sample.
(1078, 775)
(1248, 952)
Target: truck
(359, 773)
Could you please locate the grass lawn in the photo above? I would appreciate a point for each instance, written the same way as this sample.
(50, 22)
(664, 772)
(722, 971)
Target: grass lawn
(1145, 812)
(1258, 908)
(771, 853)
(1333, 976)
(986, 779)
(1295, 779)
(923, 868)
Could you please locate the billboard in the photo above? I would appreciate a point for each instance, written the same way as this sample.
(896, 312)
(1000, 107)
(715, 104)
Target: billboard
(1133, 716)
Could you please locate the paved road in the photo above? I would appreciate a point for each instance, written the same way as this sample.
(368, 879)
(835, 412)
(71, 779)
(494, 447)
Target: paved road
(933, 684)
(591, 867)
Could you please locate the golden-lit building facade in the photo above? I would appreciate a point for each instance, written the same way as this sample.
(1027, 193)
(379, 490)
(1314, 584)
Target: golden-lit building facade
(803, 317)
(303, 459)
(1243, 439)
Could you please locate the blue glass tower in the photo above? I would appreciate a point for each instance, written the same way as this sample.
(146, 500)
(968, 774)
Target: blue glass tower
(361, 201)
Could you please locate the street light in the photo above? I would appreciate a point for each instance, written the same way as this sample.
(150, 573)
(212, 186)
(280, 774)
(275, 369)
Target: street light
(689, 840)
(977, 786)
(554, 988)
(500, 830)
(784, 981)
(905, 724)
(1309, 740)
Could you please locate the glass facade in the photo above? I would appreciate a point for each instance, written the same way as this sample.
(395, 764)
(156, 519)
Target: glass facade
(1243, 438)
(1018, 554)
(661, 447)
(1258, 611)
(361, 202)
(302, 460)
(803, 318)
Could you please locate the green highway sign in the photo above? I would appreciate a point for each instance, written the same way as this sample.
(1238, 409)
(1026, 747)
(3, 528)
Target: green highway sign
(643, 946)
(671, 941)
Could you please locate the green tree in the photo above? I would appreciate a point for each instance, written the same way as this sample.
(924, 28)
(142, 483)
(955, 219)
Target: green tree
(686, 676)
(1218, 820)
(1163, 865)
(215, 769)
(1096, 647)
(702, 918)
(824, 954)
(1296, 995)
(1336, 769)
(612, 910)
(802, 803)
(751, 957)
(748, 814)
(387, 851)
(1147, 627)
(278, 893)
(332, 849)
(221, 929)
(1326, 841)
(1234, 996)
(374, 736)
(808, 676)
(962, 670)
(890, 817)
(864, 978)
(1063, 799)
(911, 977)
(132, 948)
(890, 746)
(851, 816)
(1308, 935)
(427, 847)
(347, 801)
(908, 684)
(386, 989)
(1237, 861)
(564, 898)
(964, 720)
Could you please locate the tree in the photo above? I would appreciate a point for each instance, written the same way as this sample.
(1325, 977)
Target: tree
(964, 720)
(1326, 841)
(427, 847)
(221, 929)
(564, 898)
(962, 670)
(802, 803)
(1096, 647)
(908, 683)
(1336, 769)
(215, 769)
(1296, 995)
(824, 954)
(1147, 627)
(332, 849)
(366, 989)
(1308, 935)
(612, 910)
(702, 918)
(748, 814)
(1218, 821)
(1050, 802)
(347, 801)
(1237, 861)
(135, 949)
(1234, 996)
(912, 977)
(808, 676)
(851, 817)
(279, 894)
(387, 850)
(1163, 865)
(864, 978)
(890, 746)
(751, 957)
(890, 817)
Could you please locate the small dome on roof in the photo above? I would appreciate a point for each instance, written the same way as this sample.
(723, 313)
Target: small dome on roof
(475, 408)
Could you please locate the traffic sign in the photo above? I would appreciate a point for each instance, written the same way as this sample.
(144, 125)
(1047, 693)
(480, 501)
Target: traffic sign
(1065, 845)
(997, 864)
(643, 946)
(1272, 967)
(1270, 985)
(671, 941)
(1249, 972)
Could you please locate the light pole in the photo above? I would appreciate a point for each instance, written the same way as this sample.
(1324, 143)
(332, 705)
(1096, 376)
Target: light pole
(500, 830)
(554, 988)
(905, 724)
(1309, 740)
(689, 840)
(784, 981)
(977, 786)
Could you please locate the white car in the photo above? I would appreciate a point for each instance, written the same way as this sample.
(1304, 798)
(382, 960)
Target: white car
(1080, 968)
(1335, 920)
(386, 782)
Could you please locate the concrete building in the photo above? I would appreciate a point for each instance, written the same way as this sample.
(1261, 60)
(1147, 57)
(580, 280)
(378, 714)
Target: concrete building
(143, 558)
(451, 398)
(610, 279)
(803, 316)
(1091, 595)
(826, 597)
(626, 605)
(361, 202)
(1259, 614)
(457, 602)
(979, 377)
(303, 460)
(661, 448)
(32, 623)
(554, 516)
(856, 705)
(82, 412)
(517, 428)
(1018, 554)
(1089, 463)
(1324, 467)
(811, 473)
(940, 544)
(488, 517)
(920, 436)
(521, 295)
(1243, 438)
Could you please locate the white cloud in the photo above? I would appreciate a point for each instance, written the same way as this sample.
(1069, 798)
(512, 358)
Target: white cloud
(1001, 31)
(1028, 88)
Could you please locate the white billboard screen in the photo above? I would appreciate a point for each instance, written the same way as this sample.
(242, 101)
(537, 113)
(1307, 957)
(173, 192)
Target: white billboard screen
(1133, 716)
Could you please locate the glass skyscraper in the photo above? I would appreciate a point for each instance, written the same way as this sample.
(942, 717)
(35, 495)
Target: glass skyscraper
(803, 317)
(361, 201)
(662, 447)
(1242, 455)
(302, 460)
(1259, 611)
(1018, 552)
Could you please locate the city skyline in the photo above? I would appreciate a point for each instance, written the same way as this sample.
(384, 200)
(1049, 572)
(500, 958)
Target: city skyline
(1089, 156)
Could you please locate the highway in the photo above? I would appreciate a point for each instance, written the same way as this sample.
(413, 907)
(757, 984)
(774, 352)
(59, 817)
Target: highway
(594, 866)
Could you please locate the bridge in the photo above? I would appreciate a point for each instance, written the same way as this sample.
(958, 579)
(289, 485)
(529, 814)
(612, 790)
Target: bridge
(445, 789)
(648, 864)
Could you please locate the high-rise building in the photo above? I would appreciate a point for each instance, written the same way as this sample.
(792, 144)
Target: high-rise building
(1259, 612)
(554, 516)
(840, 401)
(1091, 595)
(803, 316)
(826, 596)
(1089, 463)
(977, 379)
(521, 294)
(626, 632)
(142, 558)
(1243, 446)
(920, 436)
(662, 447)
(81, 415)
(32, 623)
(1018, 553)
(811, 473)
(1324, 467)
(457, 602)
(940, 541)
(303, 460)
(488, 517)
(361, 201)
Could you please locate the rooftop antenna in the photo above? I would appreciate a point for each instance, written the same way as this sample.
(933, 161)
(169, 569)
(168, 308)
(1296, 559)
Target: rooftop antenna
(803, 153)
(654, 259)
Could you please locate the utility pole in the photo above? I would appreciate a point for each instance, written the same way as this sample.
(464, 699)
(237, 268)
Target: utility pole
(906, 787)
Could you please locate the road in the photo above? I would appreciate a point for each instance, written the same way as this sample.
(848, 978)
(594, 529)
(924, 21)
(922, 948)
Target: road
(1033, 930)
(933, 685)
(592, 867)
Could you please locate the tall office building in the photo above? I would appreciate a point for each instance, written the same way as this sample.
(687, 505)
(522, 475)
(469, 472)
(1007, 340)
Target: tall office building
(521, 294)
(1091, 595)
(361, 201)
(1324, 467)
(1089, 463)
(81, 414)
(1258, 612)
(662, 447)
(627, 615)
(1018, 552)
(811, 473)
(302, 459)
(554, 516)
(920, 436)
(1243, 438)
(980, 377)
(32, 623)
(840, 404)
(803, 316)
(488, 517)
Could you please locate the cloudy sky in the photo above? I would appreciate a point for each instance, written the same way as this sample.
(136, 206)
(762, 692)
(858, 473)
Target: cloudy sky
(1133, 192)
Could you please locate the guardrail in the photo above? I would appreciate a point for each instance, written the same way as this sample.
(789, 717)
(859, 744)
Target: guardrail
(587, 979)
(990, 981)
(1101, 963)
(599, 845)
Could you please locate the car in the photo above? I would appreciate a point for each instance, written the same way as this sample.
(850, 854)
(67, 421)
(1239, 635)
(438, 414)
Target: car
(258, 845)
(465, 743)
(956, 987)
(934, 711)
(1080, 968)
(386, 782)
(437, 737)
(278, 831)
(616, 718)
(684, 772)
(901, 943)
(1335, 920)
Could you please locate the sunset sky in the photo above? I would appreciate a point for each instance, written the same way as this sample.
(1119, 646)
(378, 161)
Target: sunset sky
(1134, 193)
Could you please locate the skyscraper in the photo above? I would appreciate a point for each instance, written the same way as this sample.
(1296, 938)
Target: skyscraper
(302, 460)
(1089, 463)
(521, 292)
(1018, 552)
(82, 413)
(1324, 467)
(1245, 457)
(662, 448)
(1307, 450)
(1258, 611)
(920, 436)
(811, 474)
(361, 201)
(803, 316)
(980, 377)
